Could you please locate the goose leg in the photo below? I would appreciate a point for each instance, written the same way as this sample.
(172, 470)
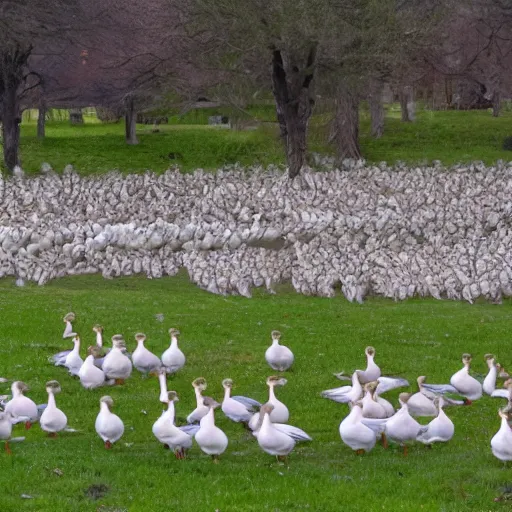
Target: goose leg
(406, 450)
(360, 451)
(215, 459)
(108, 445)
(119, 382)
(384, 440)
(53, 435)
(28, 424)
(7, 448)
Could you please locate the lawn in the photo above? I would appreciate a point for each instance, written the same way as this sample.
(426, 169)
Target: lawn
(188, 141)
(227, 337)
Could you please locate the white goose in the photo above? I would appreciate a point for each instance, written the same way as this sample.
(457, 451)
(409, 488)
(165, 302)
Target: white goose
(178, 439)
(371, 407)
(279, 357)
(440, 429)
(501, 443)
(277, 439)
(280, 413)
(68, 330)
(420, 404)
(92, 377)
(108, 425)
(143, 359)
(53, 420)
(461, 383)
(210, 438)
(100, 357)
(22, 406)
(489, 384)
(237, 408)
(372, 372)
(117, 365)
(73, 361)
(201, 410)
(6, 423)
(173, 358)
(356, 434)
(345, 394)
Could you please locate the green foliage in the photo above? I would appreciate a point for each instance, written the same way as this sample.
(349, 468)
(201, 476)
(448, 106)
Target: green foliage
(227, 337)
(449, 136)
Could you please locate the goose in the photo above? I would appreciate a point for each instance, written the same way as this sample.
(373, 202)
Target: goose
(73, 361)
(22, 406)
(371, 408)
(143, 359)
(179, 439)
(210, 438)
(280, 413)
(372, 372)
(237, 408)
(173, 358)
(68, 330)
(53, 420)
(6, 422)
(90, 375)
(489, 384)
(461, 383)
(102, 352)
(354, 433)
(420, 403)
(501, 443)
(117, 365)
(201, 410)
(279, 357)
(345, 394)
(277, 439)
(108, 425)
(440, 429)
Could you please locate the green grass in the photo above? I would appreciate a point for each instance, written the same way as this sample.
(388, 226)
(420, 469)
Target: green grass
(449, 136)
(227, 337)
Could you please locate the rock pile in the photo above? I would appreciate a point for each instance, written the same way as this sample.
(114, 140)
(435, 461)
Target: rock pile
(395, 232)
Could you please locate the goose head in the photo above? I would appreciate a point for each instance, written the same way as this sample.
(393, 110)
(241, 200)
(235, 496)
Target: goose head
(490, 360)
(108, 401)
(210, 402)
(466, 359)
(227, 384)
(504, 413)
(53, 387)
(266, 409)
(370, 387)
(421, 380)
(19, 387)
(276, 335)
(369, 351)
(97, 328)
(76, 340)
(94, 351)
(403, 398)
(502, 373)
(118, 341)
(172, 396)
(70, 317)
(174, 333)
(140, 337)
(273, 380)
(199, 383)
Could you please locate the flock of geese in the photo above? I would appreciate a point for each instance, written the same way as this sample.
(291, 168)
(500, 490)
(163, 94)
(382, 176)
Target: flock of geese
(371, 417)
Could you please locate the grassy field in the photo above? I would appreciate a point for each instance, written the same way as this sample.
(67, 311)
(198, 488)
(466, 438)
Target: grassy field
(227, 337)
(449, 136)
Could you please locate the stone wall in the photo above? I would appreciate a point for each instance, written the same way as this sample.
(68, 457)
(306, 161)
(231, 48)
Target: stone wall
(395, 232)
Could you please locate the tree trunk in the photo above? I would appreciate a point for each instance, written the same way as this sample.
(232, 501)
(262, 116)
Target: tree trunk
(292, 89)
(346, 125)
(448, 92)
(75, 116)
(496, 103)
(11, 120)
(130, 118)
(41, 120)
(407, 104)
(376, 108)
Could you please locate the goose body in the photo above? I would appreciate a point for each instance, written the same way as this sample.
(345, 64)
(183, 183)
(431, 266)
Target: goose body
(173, 358)
(354, 433)
(117, 364)
(168, 434)
(420, 404)
(440, 429)
(238, 410)
(143, 359)
(210, 438)
(402, 427)
(279, 357)
(73, 361)
(372, 372)
(372, 408)
(501, 443)
(108, 425)
(90, 375)
(465, 384)
(20, 405)
(53, 420)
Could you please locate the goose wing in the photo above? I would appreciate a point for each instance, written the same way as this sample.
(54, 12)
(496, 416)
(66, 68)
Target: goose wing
(389, 383)
(294, 432)
(249, 403)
